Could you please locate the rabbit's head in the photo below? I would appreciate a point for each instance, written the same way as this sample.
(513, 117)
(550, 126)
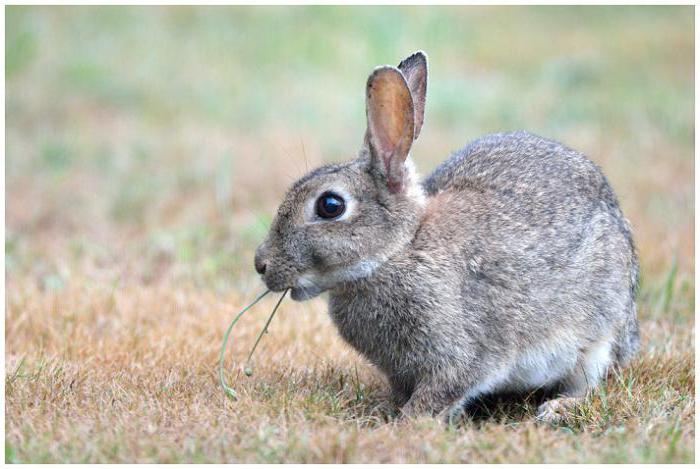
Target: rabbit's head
(340, 222)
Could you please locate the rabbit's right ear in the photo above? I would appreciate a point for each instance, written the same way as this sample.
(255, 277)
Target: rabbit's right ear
(390, 124)
(415, 69)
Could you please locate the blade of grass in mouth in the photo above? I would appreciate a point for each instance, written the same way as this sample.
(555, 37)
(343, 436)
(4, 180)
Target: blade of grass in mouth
(227, 389)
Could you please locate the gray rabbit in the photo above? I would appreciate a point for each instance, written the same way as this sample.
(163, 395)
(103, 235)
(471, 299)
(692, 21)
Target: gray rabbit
(510, 268)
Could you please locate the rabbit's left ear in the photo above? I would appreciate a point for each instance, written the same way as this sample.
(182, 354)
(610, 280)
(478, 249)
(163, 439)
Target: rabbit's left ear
(390, 126)
(415, 69)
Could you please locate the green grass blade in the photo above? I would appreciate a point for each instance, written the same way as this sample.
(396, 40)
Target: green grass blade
(228, 390)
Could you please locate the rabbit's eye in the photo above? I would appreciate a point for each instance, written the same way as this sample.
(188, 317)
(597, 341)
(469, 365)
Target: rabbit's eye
(330, 205)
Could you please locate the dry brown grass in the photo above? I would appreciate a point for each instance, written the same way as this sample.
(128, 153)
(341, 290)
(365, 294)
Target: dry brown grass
(123, 375)
(139, 184)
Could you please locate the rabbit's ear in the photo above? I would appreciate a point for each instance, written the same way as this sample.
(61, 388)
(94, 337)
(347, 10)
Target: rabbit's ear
(389, 124)
(415, 69)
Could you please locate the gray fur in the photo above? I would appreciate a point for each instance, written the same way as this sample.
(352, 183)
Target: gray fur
(510, 267)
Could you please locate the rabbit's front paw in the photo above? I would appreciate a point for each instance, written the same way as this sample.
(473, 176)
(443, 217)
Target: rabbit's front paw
(436, 400)
(556, 410)
(421, 403)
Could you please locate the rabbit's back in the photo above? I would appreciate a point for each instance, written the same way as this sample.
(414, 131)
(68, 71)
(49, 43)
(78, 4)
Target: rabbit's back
(546, 188)
(521, 164)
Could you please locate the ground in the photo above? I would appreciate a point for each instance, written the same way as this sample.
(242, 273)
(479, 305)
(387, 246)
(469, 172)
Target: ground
(147, 149)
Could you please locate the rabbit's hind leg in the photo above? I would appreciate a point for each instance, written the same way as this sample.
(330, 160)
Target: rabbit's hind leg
(569, 391)
(572, 389)
(555, 410)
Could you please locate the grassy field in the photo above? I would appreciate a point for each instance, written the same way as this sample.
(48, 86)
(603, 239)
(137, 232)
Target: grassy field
(147, 149)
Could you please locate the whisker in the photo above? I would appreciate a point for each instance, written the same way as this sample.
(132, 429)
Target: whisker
(303, 152)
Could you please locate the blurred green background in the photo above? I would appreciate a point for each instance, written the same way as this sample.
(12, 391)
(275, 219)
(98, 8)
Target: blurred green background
(152, 144)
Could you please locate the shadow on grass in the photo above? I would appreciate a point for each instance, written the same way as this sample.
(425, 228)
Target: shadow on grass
(510, 408)
(506, 407)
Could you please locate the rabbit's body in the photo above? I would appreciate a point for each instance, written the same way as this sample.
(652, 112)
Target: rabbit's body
(520, 216)
(510, 268)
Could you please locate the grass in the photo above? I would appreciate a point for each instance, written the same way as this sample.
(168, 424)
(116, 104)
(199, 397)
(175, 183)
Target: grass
(147, 149)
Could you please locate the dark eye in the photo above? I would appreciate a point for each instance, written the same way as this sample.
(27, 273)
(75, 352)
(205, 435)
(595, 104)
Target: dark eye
(330, 205)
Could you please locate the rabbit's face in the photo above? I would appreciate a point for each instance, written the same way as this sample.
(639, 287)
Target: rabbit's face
(335, 226)
(339, 223)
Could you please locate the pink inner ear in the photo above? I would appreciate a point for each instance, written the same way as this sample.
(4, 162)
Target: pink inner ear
(390, 122)
(394, 166)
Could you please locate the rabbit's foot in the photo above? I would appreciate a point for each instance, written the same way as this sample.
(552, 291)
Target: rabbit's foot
(436, 399)
(556, 410)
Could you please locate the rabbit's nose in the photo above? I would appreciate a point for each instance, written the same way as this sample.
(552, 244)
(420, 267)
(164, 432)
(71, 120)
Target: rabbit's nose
(261, 256)
(260, 266)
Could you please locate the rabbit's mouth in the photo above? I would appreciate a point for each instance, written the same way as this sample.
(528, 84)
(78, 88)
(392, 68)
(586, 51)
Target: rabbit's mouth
(302, 294)
(308, 286)
(312, 284)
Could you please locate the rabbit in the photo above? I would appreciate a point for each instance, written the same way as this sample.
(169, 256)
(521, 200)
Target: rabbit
(510, 268)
